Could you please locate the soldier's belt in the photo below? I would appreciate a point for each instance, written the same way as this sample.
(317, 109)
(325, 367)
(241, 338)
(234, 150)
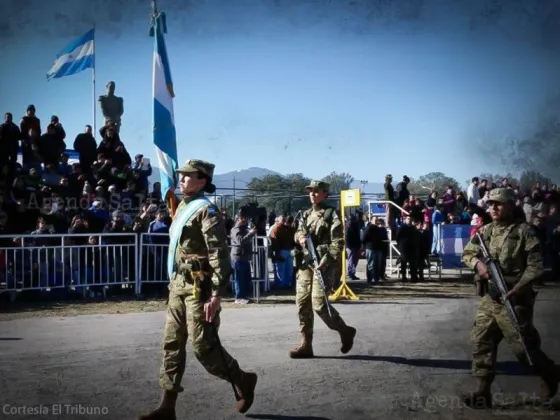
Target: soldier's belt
(194, 257)
(191, 264)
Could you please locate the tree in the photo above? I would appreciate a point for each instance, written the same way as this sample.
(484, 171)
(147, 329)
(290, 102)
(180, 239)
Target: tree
(338, 182)
(434, 181)
(281, 194)
(529, 178)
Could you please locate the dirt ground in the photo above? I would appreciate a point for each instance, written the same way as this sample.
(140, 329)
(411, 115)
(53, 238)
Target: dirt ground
(451, 286)
(130, 304)
(411, 359)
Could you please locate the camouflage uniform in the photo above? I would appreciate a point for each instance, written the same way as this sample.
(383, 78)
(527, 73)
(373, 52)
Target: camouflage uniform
(328, 238)
(516, 249)
(202, 246)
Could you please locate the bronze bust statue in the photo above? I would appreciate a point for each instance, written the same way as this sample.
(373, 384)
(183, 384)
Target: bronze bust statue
(112, 107)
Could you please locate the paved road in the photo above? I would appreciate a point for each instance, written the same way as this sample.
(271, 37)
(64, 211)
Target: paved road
(409, 362)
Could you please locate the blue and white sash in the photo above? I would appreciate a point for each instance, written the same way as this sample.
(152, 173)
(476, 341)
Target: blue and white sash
(177, 228)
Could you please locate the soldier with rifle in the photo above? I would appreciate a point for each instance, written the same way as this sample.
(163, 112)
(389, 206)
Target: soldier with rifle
(320, 241)
(506, 257)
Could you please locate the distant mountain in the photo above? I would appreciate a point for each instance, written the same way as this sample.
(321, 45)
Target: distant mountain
(225, 182)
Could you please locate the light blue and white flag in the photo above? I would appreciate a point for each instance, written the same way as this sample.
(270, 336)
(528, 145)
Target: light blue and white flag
(454, 238)
(163, 119)
(77, 56)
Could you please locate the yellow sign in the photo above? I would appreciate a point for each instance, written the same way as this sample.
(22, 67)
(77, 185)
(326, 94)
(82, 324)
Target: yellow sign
(350, 198)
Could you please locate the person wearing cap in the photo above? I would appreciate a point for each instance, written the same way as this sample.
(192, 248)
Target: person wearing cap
(323, 223)
(58, 128)
(201, 250)
(29, 122)
(516, 249)
(242, 237)
(391, 214)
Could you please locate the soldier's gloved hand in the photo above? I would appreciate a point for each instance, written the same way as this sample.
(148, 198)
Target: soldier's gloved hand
(482, 270)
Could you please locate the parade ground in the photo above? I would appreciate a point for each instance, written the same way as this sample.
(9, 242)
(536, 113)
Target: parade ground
(410, 360)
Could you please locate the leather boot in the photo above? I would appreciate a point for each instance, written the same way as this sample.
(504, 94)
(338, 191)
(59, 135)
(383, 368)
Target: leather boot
(304, 351)
(347, 339)
(482, 397)
(245, 386)
(166, 409)
(549, 385)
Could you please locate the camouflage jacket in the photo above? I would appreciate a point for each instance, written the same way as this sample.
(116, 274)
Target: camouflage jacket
(204, 235)
(327, 235)
(516, 249)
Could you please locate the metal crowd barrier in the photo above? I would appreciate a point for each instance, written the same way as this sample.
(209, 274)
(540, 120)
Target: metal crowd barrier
(152, 257)
(93, 263)
(87, 263)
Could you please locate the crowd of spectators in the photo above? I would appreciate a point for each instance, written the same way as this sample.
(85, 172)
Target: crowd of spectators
(106, 191)
(41, 194)
(537, 206)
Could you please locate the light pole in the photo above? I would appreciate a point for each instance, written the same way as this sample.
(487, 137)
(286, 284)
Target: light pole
(362, 185)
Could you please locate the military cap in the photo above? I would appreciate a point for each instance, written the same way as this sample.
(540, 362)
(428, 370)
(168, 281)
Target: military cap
(388, 176)
(319, 185)
(195, 165)
(501, 195)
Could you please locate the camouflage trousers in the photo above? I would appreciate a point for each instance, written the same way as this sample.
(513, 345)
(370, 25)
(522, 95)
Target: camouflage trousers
(185, 317)
(492, 324)
(309, 298)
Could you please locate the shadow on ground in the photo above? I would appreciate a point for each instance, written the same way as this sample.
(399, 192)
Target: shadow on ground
(386, 301)
(282, 417)
(503, 368)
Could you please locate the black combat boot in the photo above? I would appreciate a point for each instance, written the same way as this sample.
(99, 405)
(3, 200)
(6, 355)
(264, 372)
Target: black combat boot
(166, 409)
(304, 351)
(245, 387)
(482, 397)
(549, 385)
(347, 339)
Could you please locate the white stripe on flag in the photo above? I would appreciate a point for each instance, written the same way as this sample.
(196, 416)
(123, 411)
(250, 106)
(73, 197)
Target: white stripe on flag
(160, 91)
(78, 53)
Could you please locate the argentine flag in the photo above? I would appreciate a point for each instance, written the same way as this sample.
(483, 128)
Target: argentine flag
(77, 56)
(163, 119)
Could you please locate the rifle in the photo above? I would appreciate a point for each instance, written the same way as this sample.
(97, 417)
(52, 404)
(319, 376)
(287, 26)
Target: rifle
(498, 281)
(313, 261)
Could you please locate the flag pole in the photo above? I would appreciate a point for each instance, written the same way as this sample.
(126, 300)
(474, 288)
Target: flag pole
(169, 198)
(93, 83)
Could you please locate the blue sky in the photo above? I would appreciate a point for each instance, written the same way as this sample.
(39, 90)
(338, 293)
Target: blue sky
(301, 93)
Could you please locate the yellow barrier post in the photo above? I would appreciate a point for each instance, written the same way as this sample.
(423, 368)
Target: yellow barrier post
(348, 198)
